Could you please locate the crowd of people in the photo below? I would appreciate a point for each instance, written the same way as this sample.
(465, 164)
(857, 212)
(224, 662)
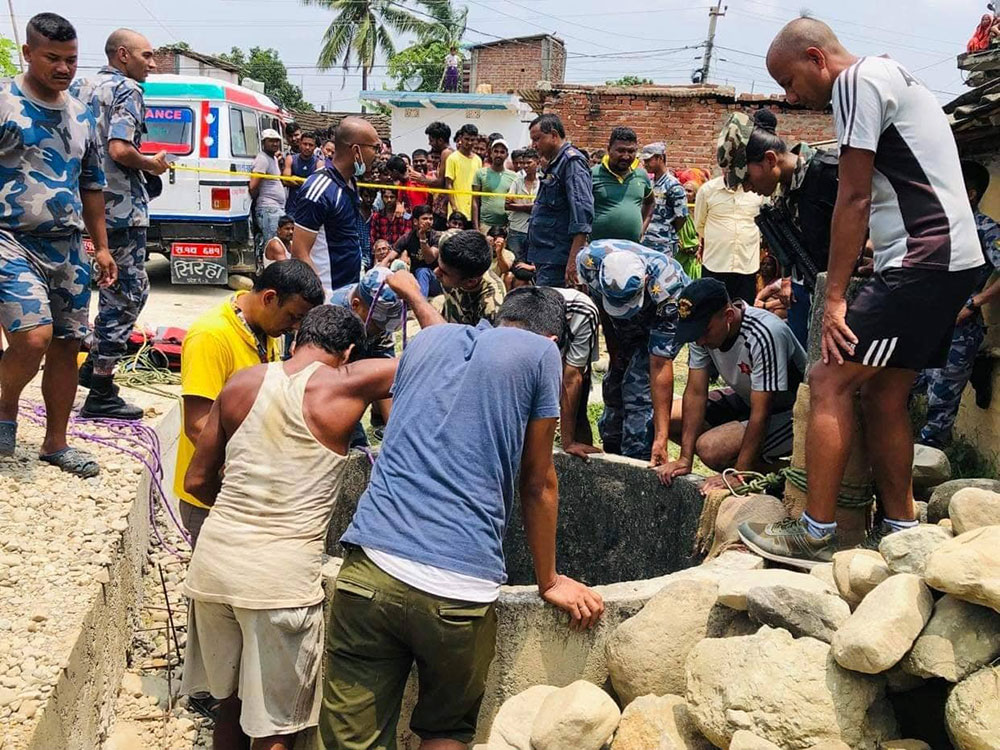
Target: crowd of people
(510, 266)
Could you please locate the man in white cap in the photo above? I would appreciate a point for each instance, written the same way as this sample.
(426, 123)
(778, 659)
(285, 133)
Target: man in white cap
(638, 289)
(268, 193)
(496, 178)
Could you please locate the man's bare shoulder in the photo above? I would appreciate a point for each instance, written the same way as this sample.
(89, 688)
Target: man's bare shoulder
(334, 381)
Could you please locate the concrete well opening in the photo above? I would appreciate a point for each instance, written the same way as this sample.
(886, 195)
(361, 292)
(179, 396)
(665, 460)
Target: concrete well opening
(619, 530)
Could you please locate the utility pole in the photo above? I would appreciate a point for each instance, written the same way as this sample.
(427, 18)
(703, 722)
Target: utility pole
(17, 40)
(713, 17)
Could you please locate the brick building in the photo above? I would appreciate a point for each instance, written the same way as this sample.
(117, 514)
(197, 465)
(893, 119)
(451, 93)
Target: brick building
(508, 65)
(687, 118)
(187, 62)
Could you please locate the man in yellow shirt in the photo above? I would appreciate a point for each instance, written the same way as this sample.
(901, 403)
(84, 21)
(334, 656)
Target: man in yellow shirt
(241, 332)
(461, 168)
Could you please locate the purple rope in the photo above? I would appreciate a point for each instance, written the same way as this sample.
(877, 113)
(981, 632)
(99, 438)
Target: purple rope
(141, 443)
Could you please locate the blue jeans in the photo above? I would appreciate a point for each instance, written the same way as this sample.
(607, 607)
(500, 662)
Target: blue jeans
(798, 314)
(550, 274)
(428, 282)
(267, 221)
(517, 243)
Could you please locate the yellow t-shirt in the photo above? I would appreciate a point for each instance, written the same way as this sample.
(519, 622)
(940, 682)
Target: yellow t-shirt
(461, 170)
(216, 346)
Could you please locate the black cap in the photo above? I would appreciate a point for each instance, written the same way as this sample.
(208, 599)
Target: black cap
(699, 301)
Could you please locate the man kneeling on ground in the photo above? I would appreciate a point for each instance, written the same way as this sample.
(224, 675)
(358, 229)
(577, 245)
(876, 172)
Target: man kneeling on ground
(424, 560)
(270, 462)
(748, 424)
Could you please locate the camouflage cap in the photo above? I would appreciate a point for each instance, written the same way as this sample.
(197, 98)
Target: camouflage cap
(731, 150)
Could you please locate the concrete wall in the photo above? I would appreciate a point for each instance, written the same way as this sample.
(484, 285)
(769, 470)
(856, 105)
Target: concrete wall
(688, 124)
(409, 123)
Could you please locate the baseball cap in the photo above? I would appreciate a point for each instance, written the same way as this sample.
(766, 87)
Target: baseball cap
(659, 148)
(270, 133)
(387, 309)
(623, 279)
(731, 149)
(502, 142)
(696, 305)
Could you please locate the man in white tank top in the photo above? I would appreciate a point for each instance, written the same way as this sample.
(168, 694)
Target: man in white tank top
(270, 463)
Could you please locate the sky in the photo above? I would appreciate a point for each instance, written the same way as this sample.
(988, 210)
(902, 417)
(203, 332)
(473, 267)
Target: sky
(657, 39)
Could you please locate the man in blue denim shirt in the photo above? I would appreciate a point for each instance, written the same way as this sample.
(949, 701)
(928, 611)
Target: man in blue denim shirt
(564, 207)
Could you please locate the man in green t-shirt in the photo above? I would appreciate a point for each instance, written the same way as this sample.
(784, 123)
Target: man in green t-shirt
(492, 212)
(623, 191)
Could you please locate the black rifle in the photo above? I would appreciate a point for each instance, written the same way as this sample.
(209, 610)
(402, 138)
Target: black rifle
(786, 242)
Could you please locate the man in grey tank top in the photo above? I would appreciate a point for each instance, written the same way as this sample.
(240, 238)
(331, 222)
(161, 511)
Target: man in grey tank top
(269, 463)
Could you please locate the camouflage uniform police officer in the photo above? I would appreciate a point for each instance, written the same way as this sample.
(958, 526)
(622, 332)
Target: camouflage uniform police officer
(116, 101)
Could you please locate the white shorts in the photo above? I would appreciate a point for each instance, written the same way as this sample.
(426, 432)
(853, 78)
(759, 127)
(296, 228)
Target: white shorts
(270, 657)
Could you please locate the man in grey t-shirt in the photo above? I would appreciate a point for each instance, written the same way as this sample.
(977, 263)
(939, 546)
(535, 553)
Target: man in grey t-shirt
(268, 194)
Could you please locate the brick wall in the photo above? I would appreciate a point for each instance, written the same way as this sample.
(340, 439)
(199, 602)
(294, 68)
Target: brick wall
(514, 65)
(165, 62)
(688, 124)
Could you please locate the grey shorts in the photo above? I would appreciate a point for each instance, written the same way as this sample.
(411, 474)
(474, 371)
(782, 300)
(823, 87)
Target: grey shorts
(193, 518)
(44, 281)
(725, 406)
(269, 657)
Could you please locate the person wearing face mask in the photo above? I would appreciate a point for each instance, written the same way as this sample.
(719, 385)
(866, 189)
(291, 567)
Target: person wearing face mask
(747, 424)
(327, 211)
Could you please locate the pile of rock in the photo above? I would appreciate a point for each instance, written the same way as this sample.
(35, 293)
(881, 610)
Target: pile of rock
(771, 658)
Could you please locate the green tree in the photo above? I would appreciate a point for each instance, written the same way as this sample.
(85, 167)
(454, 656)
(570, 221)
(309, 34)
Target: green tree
(265, 65)
(361, 31)
(630, 81)
(424, 60)
(8, 54)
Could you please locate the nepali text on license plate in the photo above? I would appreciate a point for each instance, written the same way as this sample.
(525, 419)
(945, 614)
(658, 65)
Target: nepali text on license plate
(196, 250)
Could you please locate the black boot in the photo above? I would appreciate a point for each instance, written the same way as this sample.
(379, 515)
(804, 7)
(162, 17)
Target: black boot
(86, 374)
(103, 401)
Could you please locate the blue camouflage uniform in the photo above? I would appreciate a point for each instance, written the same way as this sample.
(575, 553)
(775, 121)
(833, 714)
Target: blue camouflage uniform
(116, 101)
(48, 154)
(945, 385)
(563, 207)
(626, 425)
(671, 204)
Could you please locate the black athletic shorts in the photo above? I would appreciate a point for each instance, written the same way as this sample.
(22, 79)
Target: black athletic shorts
(905, 317)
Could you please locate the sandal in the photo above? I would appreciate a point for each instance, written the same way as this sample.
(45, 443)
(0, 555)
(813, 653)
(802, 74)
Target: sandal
(73, 461)
(8, 438)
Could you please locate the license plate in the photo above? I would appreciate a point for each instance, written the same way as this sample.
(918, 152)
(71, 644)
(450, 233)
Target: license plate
(88, 246)
(196, 250)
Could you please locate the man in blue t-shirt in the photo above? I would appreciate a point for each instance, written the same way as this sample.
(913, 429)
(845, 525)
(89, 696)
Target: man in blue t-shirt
(303, 164)
(327, 209)
(424, 560)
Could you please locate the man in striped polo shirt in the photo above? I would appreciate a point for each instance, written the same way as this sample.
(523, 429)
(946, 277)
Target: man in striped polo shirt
(748, 424)
(899, 177)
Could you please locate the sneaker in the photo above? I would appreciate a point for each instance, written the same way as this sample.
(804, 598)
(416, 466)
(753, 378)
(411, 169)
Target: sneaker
(789, 543)
(875, 536)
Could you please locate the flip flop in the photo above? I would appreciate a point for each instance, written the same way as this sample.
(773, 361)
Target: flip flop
(8, 438)
(73, 461)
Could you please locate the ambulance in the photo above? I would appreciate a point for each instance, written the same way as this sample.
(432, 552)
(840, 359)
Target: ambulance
(201, 220)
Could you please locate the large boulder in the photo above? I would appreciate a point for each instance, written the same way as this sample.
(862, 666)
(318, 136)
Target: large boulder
(647, 652)
(511, 729)
(959, 639)
(938, 505)
(968, 567)
(973, 508)
(801, 613)
(931, 467)
(907, 551)
(579, 716)
(788, 691)
(650, 721)
(856, 572)
(884, 626)
(972, 711)
(733, 590)
(744, 740)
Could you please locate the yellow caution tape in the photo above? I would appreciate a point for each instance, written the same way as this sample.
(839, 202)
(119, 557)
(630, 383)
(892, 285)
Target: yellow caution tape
(377, 186)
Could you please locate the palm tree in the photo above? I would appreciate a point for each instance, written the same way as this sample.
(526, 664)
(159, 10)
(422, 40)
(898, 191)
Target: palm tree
(361, 30)
(445, 24)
